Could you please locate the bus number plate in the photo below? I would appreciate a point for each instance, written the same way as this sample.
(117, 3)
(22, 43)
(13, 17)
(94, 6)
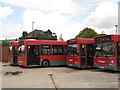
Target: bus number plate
(70, 64)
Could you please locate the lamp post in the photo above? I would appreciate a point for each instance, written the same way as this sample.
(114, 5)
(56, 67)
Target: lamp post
(116, 28)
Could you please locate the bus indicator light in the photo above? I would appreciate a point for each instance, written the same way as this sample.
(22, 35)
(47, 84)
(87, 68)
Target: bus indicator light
(113, 64)
(28, 47)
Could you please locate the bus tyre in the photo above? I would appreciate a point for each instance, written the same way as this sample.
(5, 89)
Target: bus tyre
(45, 63)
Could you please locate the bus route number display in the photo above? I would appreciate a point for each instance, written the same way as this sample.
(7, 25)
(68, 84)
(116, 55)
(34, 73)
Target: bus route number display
(104, 38)
(71, 41)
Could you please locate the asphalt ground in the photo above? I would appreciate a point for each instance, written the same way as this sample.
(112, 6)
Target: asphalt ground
(57, 77)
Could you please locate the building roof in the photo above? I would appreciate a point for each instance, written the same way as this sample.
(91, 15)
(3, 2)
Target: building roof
(39, 35)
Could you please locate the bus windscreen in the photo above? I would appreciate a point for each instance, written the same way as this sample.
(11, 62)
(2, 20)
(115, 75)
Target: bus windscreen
(104, 49)
(21, 50)
(118, 50)
(72, 50)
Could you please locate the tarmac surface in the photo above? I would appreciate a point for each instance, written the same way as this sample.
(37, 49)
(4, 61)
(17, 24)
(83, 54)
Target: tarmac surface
(57, 77)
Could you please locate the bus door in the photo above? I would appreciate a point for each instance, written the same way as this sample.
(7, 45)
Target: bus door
(15, 54)
(83, 55)
(33, 55)
(89, 51)
(118, 55)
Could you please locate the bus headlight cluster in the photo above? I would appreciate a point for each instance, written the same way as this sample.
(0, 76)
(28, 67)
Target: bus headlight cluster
(76, 62)
(11, 58)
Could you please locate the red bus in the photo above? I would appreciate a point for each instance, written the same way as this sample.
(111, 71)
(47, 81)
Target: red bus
(13, 50)
(80, 52)
(107, 52)
(42, 53)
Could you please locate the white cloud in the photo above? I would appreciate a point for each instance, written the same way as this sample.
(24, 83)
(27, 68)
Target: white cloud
(53, 21)
(104, 18)
(4, 27)
(5, 11)
(59, 6)
(10, 31)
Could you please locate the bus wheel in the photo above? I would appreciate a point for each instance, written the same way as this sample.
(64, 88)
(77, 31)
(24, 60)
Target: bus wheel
(45, 63)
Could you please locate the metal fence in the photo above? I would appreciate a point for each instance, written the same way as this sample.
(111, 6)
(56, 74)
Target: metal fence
(5, 53)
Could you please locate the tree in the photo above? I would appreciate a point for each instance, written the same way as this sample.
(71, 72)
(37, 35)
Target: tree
(5, 43)
(102, 33)
(61, 38)
(87, 33)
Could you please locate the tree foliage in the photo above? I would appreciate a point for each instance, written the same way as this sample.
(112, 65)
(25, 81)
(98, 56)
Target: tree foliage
(5, 43)
(87, 33)
(101, 34)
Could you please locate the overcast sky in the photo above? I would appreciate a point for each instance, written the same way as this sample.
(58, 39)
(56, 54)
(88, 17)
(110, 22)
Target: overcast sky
(66, 17)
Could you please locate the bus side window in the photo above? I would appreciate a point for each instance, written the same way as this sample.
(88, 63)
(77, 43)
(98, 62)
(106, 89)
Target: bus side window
(54, 49)
(65, 50)
(37, 50)
(45, 50)
(10, 50)
(60, 50)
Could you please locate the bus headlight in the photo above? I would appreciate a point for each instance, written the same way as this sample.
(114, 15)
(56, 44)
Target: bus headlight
(76, 62)
(111, 61)
(11, 58)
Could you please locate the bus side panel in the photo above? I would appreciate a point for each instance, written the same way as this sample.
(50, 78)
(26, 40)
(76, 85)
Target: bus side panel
(107, 63)
(54, 59)
(73, 61)
(22, 61)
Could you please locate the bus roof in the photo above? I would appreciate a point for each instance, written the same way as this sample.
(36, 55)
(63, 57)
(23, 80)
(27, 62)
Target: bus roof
(43, 42)
(15, 43)
(112, 38)
(81, 40)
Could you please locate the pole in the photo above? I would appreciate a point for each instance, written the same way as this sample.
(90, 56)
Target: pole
(119, 18)
(32, 26)
(116, 28)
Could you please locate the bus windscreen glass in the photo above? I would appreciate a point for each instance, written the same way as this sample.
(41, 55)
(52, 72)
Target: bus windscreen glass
(118, 50)
(21, 50)
(104, 49)
(72, 50)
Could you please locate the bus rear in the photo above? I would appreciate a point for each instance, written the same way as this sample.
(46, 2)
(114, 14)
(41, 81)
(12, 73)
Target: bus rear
(13, 50)
(80, 52)
(107, 52)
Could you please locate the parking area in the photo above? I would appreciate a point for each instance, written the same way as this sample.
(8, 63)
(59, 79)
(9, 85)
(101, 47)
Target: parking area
(57, 77)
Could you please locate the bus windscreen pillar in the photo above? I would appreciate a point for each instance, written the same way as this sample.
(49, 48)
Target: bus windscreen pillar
(119, 18)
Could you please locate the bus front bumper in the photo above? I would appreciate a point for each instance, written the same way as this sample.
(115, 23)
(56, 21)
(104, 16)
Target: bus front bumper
(106, 67)
(73, 65)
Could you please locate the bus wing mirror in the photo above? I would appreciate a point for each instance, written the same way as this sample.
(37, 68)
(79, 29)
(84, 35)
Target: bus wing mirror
(96, 55)
(106, 56)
